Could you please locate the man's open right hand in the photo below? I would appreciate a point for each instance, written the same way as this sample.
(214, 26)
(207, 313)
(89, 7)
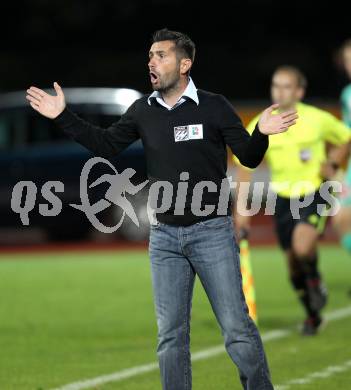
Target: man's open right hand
(47, 105)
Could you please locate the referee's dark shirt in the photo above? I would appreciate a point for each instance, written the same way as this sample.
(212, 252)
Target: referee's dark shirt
(170, 149)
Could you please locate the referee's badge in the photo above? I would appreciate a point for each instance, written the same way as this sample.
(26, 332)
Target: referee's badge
(186, 133)
(305, 155)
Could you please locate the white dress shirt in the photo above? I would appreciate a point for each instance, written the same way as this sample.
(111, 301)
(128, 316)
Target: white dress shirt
(190, 92)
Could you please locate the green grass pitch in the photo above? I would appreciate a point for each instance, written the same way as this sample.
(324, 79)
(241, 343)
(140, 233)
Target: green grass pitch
(66, 317)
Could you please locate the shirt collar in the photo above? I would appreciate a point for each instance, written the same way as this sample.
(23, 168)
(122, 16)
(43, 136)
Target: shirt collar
(190, 91)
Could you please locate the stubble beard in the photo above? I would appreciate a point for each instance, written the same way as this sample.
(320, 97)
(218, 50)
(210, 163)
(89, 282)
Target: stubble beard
(168, 86)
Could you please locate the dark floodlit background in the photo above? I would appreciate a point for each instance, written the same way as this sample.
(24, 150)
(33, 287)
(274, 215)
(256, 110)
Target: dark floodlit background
(76, 305)
(105, 44)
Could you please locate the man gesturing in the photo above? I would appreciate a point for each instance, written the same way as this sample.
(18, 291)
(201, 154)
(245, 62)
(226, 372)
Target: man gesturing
(185, 131)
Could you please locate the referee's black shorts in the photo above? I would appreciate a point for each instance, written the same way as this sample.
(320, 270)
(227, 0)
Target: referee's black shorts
(285, 223)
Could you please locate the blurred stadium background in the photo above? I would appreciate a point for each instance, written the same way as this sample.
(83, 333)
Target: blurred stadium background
(75, 303)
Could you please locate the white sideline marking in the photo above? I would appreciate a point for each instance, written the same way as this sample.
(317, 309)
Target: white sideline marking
(200, 355)
(323, 374)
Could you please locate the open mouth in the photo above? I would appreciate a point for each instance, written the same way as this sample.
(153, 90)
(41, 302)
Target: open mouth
(154, 77)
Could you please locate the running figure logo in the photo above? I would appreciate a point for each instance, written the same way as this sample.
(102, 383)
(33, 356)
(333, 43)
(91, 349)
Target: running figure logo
(120, 184)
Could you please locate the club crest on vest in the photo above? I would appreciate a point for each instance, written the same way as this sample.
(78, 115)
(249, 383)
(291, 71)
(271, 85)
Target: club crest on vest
(186, 133)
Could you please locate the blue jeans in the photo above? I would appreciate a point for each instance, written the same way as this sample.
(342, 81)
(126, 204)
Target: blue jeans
(208, 249)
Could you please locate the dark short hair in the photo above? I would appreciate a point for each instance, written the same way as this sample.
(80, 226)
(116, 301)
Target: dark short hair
(300, 77)
(346, 45)
(185, 47)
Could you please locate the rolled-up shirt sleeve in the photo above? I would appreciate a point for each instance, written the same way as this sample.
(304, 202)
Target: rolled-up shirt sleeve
(103, 142)
(249, 149)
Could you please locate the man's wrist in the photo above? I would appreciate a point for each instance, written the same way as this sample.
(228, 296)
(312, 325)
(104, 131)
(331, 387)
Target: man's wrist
(259, 132)
(60, 114)
(65, 118)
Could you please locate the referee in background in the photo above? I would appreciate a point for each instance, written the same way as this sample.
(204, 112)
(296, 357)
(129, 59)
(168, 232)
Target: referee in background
(299, 165)
(185, 131)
